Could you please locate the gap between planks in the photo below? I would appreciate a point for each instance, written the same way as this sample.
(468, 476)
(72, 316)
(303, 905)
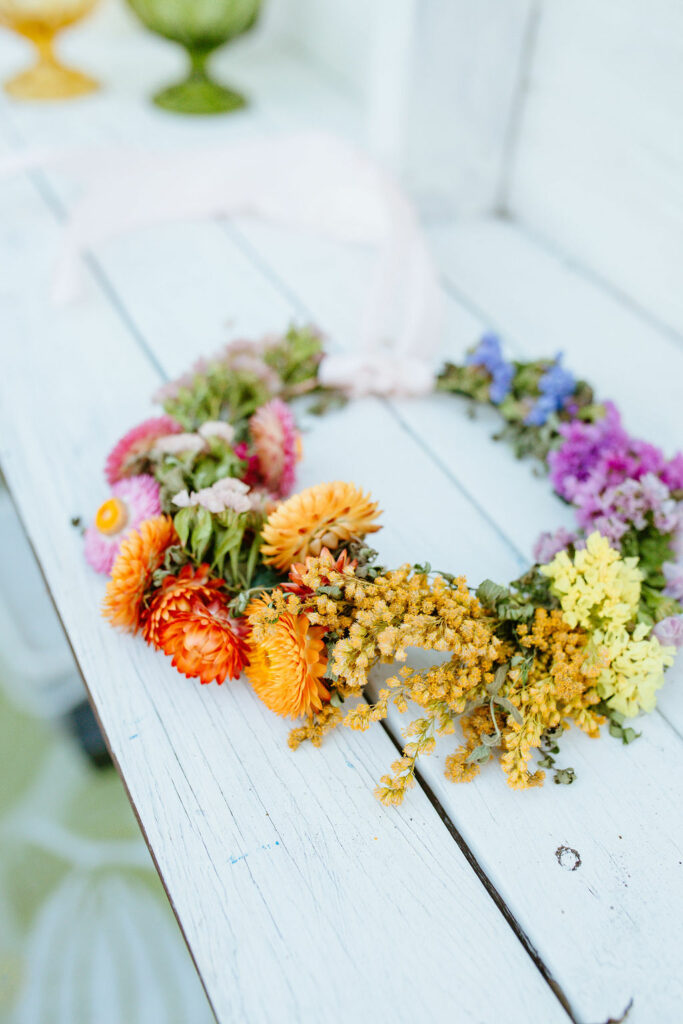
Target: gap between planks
(39, 181)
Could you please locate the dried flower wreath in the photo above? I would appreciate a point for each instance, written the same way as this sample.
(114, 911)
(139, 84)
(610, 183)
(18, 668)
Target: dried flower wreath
(217, 567)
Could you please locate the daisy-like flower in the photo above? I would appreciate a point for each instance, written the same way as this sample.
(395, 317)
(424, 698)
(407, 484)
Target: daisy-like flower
(287, 667)
(276, 444)
(134, 446)
(189, 620)
(141, 553)
(134, 499)
(327, 515)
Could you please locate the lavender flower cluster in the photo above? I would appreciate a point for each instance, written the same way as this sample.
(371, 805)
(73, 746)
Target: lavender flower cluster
(489, 355)
(556, 386)
(620, 485)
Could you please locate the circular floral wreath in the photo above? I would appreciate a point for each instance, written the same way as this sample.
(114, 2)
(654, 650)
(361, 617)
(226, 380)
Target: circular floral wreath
(218, 568)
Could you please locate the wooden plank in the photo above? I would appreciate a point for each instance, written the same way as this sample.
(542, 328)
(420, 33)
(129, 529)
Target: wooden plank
(599, 156)
(615, 892)
(501, 274)
(624, 933)
(272, 862)
(599, 929)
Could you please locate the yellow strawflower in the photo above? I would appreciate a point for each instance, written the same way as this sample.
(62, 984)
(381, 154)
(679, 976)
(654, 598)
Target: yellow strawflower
(326, 515)
(598, 588)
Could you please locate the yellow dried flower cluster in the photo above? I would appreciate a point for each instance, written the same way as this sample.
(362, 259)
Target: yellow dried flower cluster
(600, 590)
(264, 614)
(315, 727)
(554, 686)
(381, 620)
(633, 668)
(597, 586)
(403, 609)
(514, 677)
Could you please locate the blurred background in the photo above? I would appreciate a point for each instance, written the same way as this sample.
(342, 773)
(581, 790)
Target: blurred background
(555, 122)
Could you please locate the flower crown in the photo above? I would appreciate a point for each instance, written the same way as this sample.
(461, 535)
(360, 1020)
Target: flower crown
(219, 568)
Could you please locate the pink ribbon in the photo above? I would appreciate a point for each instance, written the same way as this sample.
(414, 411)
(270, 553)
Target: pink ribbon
(314, 182)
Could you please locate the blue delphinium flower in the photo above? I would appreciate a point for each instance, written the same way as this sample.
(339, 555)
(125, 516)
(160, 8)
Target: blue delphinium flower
(489, 355)
(556, 385)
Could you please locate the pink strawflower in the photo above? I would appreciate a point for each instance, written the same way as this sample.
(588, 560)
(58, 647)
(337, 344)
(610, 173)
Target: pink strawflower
(134, 499)
(549, 544)
(276, 445)
(669, 631)
(134, 445)
(251, 473)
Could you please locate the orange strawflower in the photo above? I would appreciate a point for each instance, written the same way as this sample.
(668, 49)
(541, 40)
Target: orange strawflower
(287, 666)
(140, 554)
(326, 515)
(305, 577)
(204, 642)
(174, 598)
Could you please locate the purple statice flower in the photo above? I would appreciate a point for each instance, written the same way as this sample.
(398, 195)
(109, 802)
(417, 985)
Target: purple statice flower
(549, 544)
(672, 473)
(489, 355)
(583, 446)
(677, 538)
(556, 385)
(669, 631)
(673, 572)
(617, 508)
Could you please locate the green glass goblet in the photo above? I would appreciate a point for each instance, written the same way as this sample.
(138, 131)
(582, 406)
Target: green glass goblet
(201, 26)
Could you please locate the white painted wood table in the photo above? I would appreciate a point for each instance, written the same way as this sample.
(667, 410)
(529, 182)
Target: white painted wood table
(300, 897)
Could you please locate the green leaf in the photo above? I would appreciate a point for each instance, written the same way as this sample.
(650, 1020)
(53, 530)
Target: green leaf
(508, 706)
(564, 776)
(182, 521)
(201, 532)
(490, 593)
(480, 755)
(501, 674)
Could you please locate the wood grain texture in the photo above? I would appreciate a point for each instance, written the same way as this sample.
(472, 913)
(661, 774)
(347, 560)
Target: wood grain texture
(619, 814)
(605, 929)
(599, 156)
(301, 898)
(541, 305)
(467, 61)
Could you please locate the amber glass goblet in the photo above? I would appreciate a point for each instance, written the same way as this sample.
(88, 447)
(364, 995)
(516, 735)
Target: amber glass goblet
(201, 26)
(40, 21)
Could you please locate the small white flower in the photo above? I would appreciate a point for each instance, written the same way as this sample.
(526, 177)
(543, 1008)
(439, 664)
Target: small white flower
(227, 493)
(217, 428)
(176, 444)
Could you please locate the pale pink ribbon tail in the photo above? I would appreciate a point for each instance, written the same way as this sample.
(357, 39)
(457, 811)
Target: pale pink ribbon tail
(312, 181)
